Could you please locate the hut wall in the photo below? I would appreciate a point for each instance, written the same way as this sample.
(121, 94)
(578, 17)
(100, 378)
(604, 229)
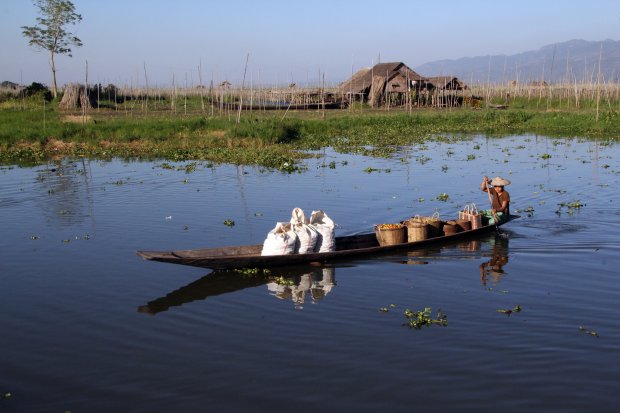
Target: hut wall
(397, 84)
(376, 90)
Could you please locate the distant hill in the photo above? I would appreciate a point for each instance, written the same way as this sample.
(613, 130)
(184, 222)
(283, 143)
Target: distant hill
(574, 59)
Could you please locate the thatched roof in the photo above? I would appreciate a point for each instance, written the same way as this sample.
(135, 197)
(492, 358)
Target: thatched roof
(361, 81)
(446, 82)
(9, 85)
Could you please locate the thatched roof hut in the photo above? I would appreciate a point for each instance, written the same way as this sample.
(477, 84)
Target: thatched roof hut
(446, 83)
(395, 76)
(380, 81)
(396, 83)
(9, 85)
(77, 96)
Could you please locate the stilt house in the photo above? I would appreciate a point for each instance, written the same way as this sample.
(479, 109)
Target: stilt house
(382, 83)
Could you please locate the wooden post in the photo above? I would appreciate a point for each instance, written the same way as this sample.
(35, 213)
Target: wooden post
(241, 92)
(146, 80)
(202, 100)
(598, 81)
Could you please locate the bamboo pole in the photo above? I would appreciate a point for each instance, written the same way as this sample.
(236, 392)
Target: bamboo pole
(86, 98)
(202, 100)
(598, 81)
(247, 58)
(146, 80)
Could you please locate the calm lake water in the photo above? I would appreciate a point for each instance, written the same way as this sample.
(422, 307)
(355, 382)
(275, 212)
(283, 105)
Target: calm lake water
(87, 326)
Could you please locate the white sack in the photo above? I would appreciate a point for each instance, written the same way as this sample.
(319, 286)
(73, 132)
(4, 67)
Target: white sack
(306, 235)
(280, 241)
(325, 227)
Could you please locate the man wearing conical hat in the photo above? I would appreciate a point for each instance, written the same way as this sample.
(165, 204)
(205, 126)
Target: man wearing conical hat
(500, 198)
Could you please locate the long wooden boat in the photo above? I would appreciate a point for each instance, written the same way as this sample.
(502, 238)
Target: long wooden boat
(347, 247)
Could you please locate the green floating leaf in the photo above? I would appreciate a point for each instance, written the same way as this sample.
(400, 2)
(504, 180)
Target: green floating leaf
(516, 309)
(590, 332)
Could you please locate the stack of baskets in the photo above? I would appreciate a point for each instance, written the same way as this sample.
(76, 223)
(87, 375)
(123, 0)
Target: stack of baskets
(424, 227)
(419, 228)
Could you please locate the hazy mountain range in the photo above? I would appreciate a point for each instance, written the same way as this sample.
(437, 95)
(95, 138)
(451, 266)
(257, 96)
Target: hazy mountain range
(571, 60)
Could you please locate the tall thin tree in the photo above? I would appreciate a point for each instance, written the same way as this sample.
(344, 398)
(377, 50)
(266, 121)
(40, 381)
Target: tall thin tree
(50, 33)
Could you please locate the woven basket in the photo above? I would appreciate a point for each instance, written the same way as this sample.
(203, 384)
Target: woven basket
(391, 236)
(450, 228)
(416, 230)
(464, 224)
(434, 224)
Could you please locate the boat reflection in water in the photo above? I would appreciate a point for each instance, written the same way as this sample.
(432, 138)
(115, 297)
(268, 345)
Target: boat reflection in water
(301, 284)
(304, 284)
(311, 287)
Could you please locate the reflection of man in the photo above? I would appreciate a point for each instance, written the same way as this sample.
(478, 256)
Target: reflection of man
(499, 258)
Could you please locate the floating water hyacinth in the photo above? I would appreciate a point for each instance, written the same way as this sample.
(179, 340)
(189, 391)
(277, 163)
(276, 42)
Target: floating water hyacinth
(417, 319)
(590, 332)
(516, 309)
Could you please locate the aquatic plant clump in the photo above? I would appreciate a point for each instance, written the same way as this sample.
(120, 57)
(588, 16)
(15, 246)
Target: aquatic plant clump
(420, 318)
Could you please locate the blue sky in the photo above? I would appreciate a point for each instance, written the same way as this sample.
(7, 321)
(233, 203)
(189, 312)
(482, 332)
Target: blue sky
(288, 40)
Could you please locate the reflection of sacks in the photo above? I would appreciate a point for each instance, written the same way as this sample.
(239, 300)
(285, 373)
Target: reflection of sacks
(470, 213)
(279, 291)
(306, 235)
(280, 241)
(323, 282)
(329, 280)
(299, 290)
(325, 228)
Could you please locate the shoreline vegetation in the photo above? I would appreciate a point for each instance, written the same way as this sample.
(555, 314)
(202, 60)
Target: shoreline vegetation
(195, 125)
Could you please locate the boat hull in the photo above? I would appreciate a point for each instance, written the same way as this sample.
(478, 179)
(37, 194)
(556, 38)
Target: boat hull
(347, 247)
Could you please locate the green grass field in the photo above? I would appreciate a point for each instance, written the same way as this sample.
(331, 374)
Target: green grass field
(36, 132)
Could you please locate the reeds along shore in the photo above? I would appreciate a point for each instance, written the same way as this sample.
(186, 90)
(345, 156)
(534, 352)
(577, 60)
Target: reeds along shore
(225, 100)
